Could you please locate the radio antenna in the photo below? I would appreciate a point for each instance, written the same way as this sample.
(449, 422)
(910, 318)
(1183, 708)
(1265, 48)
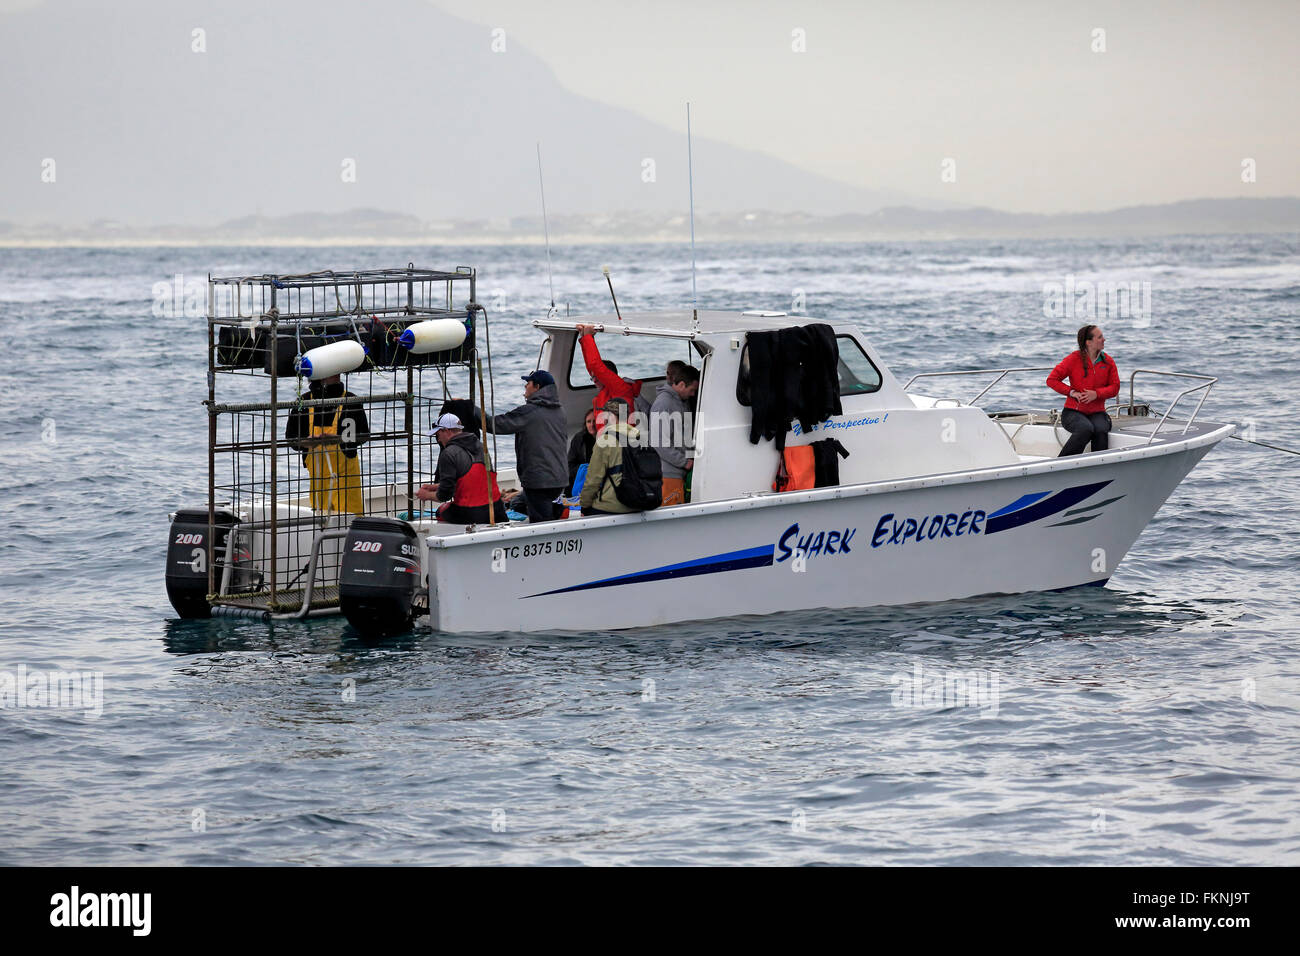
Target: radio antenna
(690, 174)
(605, 270)
(546, 231)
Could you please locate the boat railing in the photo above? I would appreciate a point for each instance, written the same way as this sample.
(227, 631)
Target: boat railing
(1001, 373)
(1206, 383)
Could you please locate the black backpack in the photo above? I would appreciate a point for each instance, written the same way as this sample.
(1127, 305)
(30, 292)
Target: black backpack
(642, 487)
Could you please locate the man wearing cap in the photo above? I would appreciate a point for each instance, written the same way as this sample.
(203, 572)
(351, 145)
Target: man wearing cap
(462, 480)
(541, 444)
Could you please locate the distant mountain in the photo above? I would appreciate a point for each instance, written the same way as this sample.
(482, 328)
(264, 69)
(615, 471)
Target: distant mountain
(288, 96)
(359, 226)
(1191, 216)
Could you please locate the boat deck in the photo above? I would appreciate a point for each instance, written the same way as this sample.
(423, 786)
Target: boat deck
(1171, 431)
(285, 602)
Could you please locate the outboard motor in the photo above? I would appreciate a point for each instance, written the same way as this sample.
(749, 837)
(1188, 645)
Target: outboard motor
(379, 575)
(187, 558)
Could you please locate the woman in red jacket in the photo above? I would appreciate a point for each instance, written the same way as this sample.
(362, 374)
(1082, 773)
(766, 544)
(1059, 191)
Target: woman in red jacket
(1093, 379)
(604, 372)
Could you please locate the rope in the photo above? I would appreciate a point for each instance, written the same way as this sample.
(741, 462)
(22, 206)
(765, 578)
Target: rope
(1264, 444)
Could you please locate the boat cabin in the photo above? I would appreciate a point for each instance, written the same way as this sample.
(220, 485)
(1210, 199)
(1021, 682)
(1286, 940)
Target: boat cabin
(888, 435)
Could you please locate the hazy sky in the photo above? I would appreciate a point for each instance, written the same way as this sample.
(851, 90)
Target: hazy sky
(1008, 98)
(1012, 91)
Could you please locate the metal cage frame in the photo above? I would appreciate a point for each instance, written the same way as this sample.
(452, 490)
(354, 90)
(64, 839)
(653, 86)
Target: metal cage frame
(249, 319)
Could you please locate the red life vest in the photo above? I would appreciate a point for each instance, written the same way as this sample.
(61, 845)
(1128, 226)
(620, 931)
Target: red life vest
(797, 469)
(472, 487)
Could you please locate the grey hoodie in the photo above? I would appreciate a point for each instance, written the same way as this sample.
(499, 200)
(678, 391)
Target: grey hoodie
(668, 433)
(541, 439)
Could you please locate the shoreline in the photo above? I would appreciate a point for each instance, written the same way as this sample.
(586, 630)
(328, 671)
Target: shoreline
(579, 239)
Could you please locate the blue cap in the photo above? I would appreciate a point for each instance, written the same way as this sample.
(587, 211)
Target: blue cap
(540, 377)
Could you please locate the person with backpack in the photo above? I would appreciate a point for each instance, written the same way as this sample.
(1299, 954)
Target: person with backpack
(623, 476)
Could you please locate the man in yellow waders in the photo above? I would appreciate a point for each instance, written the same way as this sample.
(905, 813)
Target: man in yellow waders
(332, 465)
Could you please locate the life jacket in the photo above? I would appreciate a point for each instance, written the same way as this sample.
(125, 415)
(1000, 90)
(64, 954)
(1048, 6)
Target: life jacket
(797, 470)
(472, 487)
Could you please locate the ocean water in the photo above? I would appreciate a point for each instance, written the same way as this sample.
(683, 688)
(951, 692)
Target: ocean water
(1153, 721)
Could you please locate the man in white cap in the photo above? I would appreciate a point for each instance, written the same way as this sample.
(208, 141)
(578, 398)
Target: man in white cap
(462, 480)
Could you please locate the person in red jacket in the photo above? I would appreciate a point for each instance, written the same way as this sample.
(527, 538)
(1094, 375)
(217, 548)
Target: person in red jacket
(1093, 379)
(604, 373)
(464, 484)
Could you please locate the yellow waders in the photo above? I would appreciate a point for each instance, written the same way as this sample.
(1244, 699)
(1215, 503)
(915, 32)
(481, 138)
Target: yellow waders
(335, 478)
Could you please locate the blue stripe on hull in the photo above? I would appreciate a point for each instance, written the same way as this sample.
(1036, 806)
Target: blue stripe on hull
(1023, 501)
(1005, 521)
(760, 557)
(1031, 507)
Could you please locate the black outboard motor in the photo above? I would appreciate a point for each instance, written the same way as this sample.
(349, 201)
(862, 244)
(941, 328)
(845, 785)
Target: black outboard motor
(379, 575)
(187, 558)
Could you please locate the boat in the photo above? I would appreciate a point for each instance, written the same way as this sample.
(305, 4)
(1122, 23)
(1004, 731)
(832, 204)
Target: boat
(939, 499)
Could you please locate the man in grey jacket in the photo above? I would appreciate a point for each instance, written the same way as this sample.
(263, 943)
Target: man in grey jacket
(541, 444)
(671, 432)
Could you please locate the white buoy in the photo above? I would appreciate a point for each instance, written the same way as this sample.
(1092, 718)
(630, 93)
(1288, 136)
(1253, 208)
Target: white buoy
(327, 360)
(432, 335)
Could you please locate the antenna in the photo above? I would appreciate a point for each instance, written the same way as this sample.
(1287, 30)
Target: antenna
(605, 270)
(546, 231)
(690, 173)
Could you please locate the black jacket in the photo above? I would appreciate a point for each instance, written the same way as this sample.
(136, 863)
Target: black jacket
(579, 454)
(296, 428)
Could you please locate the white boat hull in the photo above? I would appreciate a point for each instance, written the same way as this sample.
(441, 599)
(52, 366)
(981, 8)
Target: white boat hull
(1046, 525)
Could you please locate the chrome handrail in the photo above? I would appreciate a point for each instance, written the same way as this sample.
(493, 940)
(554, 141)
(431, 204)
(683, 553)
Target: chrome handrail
(1207, 382)
(1000, 372)
(310, 589)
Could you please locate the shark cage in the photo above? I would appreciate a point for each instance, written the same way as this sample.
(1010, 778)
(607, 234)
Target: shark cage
(321, 389)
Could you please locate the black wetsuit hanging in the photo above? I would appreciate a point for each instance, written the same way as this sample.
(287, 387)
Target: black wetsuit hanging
(793, 373)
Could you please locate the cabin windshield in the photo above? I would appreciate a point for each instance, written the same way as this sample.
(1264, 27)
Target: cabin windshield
(638, 357)
(857, 374)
